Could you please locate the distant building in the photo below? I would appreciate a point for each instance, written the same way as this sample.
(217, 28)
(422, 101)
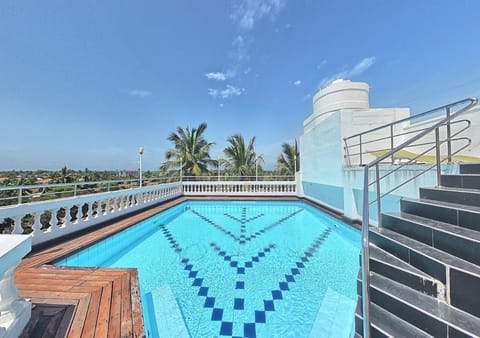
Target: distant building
(128, 172)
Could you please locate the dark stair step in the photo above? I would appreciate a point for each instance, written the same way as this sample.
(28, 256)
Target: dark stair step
(470, 168)
(452, 195)
(426, 313)
(463, 181)
(458, 241)
(463, 277)
(453, 213)
(392, 267)
(385, 324)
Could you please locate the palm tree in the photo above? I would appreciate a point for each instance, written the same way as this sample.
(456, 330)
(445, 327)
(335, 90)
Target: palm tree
(190, 152)
(64, 175)
(289, 161)
(241, 159)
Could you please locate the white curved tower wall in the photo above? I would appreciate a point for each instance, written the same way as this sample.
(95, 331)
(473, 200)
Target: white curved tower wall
(341, 94)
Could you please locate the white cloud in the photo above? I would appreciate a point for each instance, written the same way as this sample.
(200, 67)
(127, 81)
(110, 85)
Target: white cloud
(297, 83)
(356, 70)
(321, 64)
(229, 91)
(221, 105)
(306, 97)
(246, 13)
(141, 93)
(216, 76)
(240, 50)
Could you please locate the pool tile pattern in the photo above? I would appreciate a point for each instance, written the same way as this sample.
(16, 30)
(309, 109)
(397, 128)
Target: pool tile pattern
(242, 239)
(244, 219)
(235, 264)
(249, 329)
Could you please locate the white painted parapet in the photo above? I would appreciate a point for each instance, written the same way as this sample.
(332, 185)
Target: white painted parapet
(14, 313)
(240, 188)
(56, 218)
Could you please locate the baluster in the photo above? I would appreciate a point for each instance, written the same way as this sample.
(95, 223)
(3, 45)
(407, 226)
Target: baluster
(89, 211)
(36, 227)
(17, 225)
(53, 221)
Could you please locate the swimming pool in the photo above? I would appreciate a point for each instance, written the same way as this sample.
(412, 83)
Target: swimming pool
(264, 269)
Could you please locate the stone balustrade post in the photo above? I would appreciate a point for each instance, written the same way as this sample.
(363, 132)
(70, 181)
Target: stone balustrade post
(14, 313)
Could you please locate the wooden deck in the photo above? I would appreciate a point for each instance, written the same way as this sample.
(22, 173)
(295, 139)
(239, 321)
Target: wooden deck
(86, 302)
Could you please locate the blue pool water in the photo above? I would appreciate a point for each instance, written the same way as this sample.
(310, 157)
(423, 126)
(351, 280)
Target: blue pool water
(264, 269)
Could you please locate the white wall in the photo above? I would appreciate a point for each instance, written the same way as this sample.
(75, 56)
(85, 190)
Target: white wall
(341, 110)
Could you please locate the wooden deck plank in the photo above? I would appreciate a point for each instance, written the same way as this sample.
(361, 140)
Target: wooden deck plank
(54, 301)
(101, 330)
(126, 329)
(92, 316)
(47, 281)
(78, 321)
(45, 287)
(53, 294)
(64, 326)
(138, 326)
(114, 322)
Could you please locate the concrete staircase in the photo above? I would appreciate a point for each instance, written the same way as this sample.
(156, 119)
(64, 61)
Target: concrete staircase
(425, 263)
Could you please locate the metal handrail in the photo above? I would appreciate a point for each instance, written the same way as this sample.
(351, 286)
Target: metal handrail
(238, 178)
(375, 163)
(390, 126)
(397, 135)
(74, 188)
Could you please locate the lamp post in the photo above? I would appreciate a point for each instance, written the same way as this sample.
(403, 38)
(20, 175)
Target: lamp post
(295, 164)
(181, 169)
(256, 169)
(218, 168)
(140, 152)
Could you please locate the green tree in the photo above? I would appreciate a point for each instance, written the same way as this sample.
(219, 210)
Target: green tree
(241, 159)
(289, 159)
(190, 150)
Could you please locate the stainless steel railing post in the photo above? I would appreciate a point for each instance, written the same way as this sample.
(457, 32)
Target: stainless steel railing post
(365, 259)
(379, 202)
(360, 149)
(437, 156)
(391, 144)
(449, 142)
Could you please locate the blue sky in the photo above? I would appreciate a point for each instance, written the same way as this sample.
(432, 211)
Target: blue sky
(85, 83)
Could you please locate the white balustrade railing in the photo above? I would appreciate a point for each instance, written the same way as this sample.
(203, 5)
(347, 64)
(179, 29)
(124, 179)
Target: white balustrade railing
(51, 219)
(240, 188)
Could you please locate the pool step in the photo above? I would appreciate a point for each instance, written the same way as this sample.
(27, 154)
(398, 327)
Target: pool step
(453, 213)
(470, 168)
(452, 195)
(166, 317)
(388, 265)
(386, 324)
(425, 262)
(461, 278)
(464, 181)
(425, 313)
(461, 242)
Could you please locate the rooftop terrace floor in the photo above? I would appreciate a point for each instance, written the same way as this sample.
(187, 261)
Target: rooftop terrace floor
(88, 302)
